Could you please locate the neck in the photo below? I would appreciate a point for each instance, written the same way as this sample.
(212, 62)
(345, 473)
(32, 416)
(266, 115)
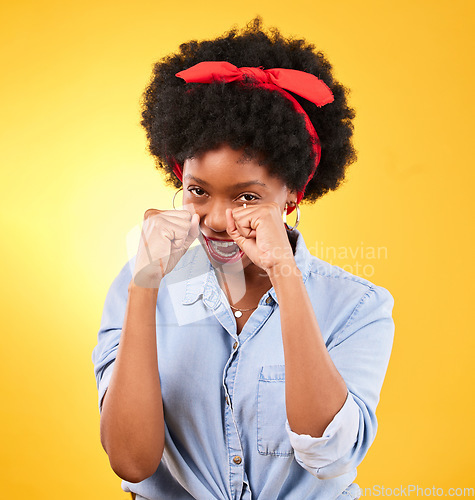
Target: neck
(254, 276)
(244, 292)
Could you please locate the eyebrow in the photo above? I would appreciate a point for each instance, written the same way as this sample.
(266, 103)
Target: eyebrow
(239, 185)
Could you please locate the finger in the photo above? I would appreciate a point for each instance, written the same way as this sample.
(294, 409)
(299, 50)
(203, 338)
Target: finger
(233, 231)
(182, 214)
(187, 232)
(176, 234)
(195, 225)
(194, 230)
(151, 211)
(170, 213)
(177, 229)
(162, 220)
(243, 224)
(182, 218)
(231, 228)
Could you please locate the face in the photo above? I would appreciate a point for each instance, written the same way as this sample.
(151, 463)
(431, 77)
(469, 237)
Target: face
(219, 179)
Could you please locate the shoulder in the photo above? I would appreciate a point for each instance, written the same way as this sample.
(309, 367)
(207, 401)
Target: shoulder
(337, 282)
(339, 296)
(335, 277)
(330, 277)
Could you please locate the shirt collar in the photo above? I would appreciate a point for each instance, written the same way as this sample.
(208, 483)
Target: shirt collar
(196, 272)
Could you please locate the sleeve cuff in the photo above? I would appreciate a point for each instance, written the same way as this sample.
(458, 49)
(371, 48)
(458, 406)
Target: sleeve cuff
(338, 438)
(104, 383)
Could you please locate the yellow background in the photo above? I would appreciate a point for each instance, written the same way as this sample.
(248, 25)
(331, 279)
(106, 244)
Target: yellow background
(76, 178)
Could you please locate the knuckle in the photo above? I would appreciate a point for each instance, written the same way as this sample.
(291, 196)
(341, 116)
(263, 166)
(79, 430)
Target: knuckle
(151, 211)
(185, 214)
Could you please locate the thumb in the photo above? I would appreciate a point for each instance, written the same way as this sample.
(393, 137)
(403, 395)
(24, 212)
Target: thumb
(232, 229)
(194, 230)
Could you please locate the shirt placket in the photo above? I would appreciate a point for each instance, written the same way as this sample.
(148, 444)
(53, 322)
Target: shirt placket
(234, 445)
(235, 455)
(238, 480)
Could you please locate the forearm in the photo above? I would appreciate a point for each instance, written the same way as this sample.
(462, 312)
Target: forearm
(314, 389)
(132, 427)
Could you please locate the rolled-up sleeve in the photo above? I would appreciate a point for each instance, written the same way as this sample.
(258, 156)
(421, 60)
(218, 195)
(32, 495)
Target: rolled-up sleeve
(360, 352)
(337, 439)
(105, 352)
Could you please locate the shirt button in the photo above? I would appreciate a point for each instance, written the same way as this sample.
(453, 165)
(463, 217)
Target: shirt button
(268, 300)
(227, 400)
(235, 345)
(237, 460)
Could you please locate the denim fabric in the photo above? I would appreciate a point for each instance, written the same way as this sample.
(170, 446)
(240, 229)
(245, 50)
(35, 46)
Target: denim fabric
(226, 430)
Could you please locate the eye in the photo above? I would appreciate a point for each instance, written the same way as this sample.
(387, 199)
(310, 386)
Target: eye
(197, 191)
(248, 197)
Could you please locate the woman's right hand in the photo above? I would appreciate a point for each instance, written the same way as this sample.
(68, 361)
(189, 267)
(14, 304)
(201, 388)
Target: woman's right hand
(165, 237)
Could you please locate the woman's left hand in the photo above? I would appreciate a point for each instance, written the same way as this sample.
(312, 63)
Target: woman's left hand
(260, 233)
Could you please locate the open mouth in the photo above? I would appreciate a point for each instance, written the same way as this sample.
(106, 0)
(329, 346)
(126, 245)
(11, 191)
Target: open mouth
(223, 251)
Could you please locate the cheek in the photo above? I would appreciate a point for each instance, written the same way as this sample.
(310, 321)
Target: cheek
(190, 206)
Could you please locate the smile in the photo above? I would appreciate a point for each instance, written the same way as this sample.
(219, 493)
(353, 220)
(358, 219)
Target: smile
(223, 251)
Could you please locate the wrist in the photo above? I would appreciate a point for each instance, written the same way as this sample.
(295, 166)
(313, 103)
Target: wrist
(284, 269)
(145, 290)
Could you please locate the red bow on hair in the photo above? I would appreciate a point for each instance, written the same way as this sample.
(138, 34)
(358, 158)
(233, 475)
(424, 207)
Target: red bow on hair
(301, 83)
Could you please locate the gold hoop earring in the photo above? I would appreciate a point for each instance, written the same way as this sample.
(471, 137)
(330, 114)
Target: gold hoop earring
(291, 228)
(174, 196)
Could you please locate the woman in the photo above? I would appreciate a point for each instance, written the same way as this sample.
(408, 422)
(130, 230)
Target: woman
(241, 367)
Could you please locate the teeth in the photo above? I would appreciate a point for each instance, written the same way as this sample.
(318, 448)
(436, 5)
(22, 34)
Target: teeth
(223, 254)
(223, 243)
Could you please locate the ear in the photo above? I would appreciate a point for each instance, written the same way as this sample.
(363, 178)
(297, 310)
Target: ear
(291, 198)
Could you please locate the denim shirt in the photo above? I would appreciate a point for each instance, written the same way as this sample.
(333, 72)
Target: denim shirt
(226, 431)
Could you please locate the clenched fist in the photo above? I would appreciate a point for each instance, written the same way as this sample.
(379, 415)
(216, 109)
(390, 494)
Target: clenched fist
(166, 236)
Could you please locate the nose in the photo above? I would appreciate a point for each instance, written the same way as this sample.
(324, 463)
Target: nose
(215, 217)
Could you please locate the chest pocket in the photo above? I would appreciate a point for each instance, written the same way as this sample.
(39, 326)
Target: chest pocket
(272, 437)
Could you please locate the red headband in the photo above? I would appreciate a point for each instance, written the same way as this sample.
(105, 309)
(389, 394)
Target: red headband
(303, 84)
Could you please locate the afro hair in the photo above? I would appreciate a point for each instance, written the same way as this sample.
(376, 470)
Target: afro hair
(183, 120)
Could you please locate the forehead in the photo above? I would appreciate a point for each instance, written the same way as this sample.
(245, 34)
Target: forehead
(227, 166)
(221, 156)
